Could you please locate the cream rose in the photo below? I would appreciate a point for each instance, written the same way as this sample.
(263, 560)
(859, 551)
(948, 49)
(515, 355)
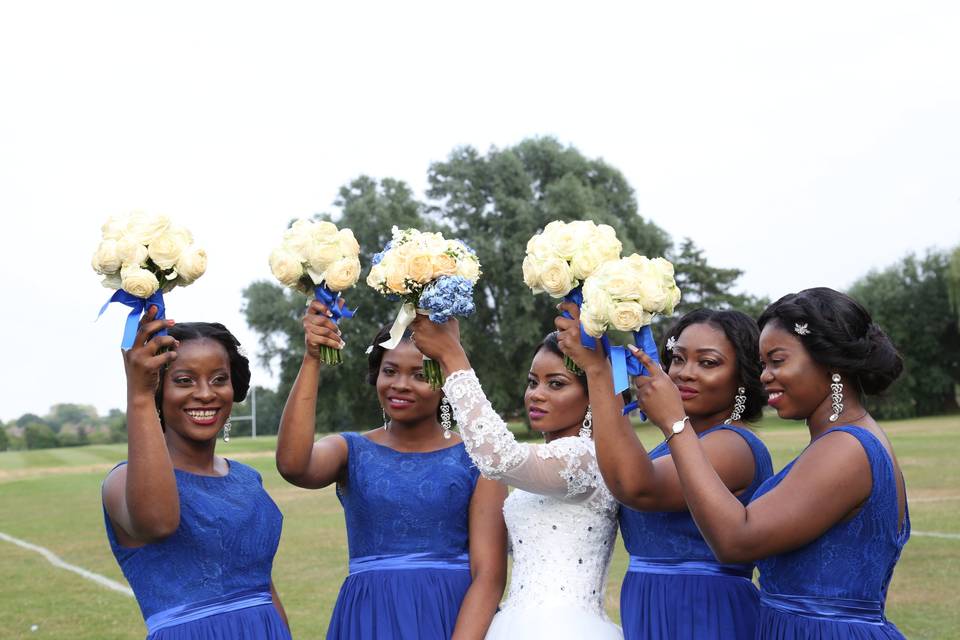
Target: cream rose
(349, 246)
(563, 238)
(376, 277)
(556, 278)
(105, 259)
(165, 250)
(539, 247)
(629, 316)
(144, 228)
(286, 266)
(138, 281)
(444, 264)
(598, 302)
(342, 274)
(191, 265)
(531, 273)
(130, 252)
(586, 260)
(323, 230)
(593, 325)
(114, 227)
(469, 267)
(420, 267)
(298, 238)
(322, 253)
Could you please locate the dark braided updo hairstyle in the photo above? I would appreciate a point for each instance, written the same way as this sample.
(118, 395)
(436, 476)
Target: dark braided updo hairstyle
(840, 335)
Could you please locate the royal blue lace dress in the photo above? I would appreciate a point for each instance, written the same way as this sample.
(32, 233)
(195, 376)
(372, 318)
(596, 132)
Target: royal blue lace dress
(835, 587)
(210, 580)
(674, 588)
(407, 530)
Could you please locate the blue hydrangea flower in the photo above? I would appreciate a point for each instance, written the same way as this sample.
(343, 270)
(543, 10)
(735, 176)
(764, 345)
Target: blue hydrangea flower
(447, 296)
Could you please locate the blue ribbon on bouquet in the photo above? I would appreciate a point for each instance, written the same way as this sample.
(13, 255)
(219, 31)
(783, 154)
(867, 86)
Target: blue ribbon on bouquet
(626, 364)
(137, 308)
(331, 299)
(576, 297)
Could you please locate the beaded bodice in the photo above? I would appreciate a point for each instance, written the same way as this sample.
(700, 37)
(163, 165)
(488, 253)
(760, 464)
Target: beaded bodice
(561, 519)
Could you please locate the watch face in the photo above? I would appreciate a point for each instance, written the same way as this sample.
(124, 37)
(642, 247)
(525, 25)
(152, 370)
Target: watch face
(678, 426)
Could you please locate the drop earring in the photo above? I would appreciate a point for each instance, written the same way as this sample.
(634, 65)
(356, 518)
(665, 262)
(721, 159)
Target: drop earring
(586, 429)
(445, 420)
(836, 397)
(386, 420)
(226, 430)
(739, 404)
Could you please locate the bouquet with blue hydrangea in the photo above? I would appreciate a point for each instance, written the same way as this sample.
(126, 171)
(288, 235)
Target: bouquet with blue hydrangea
(432, 276)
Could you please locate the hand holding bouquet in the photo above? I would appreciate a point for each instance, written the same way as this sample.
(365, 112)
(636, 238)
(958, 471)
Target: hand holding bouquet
(432, 276)
(565, 254)
(319, 260)
(143, 256)
(625, 294)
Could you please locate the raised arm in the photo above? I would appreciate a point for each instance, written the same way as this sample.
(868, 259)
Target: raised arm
(827, 484)
(632, 477)
(141, 497)
(300, 460)
(565, 468)
(488, 560)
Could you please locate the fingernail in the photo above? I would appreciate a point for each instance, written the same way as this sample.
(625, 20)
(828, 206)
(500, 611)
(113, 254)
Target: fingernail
(169, 323)
(342, 344)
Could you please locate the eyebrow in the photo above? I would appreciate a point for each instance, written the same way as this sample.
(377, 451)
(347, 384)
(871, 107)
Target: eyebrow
(774, 350)
(394, 364)
(703, 350)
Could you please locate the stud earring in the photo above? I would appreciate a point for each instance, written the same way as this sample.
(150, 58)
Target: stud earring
(586, 429)
(445, 420)
(836, 397)
(226, 430)
(739, 404)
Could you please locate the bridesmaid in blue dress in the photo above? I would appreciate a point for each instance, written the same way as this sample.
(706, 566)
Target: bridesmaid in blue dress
(194, 533)
(426, 536)
(827, 531)
(674, 587)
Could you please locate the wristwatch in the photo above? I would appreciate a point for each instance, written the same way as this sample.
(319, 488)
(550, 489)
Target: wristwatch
(677, 427)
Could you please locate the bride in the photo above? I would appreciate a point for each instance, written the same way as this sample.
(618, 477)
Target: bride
(561, 520)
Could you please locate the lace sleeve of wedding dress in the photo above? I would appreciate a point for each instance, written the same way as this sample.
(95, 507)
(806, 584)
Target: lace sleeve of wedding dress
(565, 468)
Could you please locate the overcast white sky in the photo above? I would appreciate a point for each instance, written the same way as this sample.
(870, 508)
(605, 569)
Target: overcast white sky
(805, 143)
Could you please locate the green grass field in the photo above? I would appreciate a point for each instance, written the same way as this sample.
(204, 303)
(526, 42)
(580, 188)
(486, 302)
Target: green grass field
(51, 498)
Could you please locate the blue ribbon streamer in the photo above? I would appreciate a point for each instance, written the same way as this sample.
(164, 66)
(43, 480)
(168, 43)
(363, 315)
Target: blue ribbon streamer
(329, 298)
(137, 308)
(576, 297)
(644, 341)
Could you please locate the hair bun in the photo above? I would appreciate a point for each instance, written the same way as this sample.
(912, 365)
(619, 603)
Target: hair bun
(882, 364)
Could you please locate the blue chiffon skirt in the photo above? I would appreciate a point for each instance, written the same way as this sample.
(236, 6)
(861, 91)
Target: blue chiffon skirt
(253, 623)
(410, 604)
(656, 606)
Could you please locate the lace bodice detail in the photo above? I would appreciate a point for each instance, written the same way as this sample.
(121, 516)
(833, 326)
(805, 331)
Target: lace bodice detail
(562, 520)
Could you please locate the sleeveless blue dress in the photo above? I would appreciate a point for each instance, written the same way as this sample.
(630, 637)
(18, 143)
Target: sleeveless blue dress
(407, 531)
(674, 588)
(210, 580)
(835, 587)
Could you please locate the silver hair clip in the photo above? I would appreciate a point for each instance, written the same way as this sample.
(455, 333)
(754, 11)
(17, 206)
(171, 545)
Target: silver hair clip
(671, 343)
(801, 329)
(369, 349)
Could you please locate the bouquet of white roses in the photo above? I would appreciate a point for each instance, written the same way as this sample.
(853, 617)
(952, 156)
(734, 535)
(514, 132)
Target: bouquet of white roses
(431, 275)
(319, 260)
(625, 294)
(565, 254)
(143, 256)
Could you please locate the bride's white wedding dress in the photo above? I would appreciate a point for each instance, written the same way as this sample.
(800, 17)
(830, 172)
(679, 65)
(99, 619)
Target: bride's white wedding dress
(561, 520)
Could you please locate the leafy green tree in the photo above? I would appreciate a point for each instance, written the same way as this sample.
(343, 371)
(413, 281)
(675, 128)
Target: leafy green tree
(4, 440)
(116, 422)
(68, 413)
(909, 300)
(38, 435)
(72, 436)
(704, 286)
(496, 202)
(953, 281)
(29, 418)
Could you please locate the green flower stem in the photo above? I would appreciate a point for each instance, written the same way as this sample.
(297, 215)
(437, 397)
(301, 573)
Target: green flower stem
(572, 366)
(433, 374)
(330, 356)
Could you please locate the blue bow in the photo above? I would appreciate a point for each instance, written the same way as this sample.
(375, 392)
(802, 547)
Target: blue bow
(329, 298)
(137, 307)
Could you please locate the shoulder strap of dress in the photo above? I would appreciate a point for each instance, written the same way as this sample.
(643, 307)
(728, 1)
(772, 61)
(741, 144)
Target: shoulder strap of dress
(762, 461)
(883, 483)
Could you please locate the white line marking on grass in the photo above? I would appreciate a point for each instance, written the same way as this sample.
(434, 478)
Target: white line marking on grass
(935, 499)
(56, 561)
(936, 534)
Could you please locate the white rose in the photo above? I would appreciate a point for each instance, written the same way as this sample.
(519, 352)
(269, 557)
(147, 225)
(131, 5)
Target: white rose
(144, 228)
(165, 250)
(651, 292)
(349, 246)
(629, 316)
(563, 238)
(531, 273)
(673, 298)
(539, 247)
(556, 278)
(191, 265)
(342, 274)
(286, 266)
(114, 227)
(620, 280)
(105, 259)
(593, 325)
(469, 267)
(138, 281)
(131, 252)
(597, 302)
(376, 277)
(322, 253)
(324, 230)
(298, 238)
(586, 260)
(605, 239)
